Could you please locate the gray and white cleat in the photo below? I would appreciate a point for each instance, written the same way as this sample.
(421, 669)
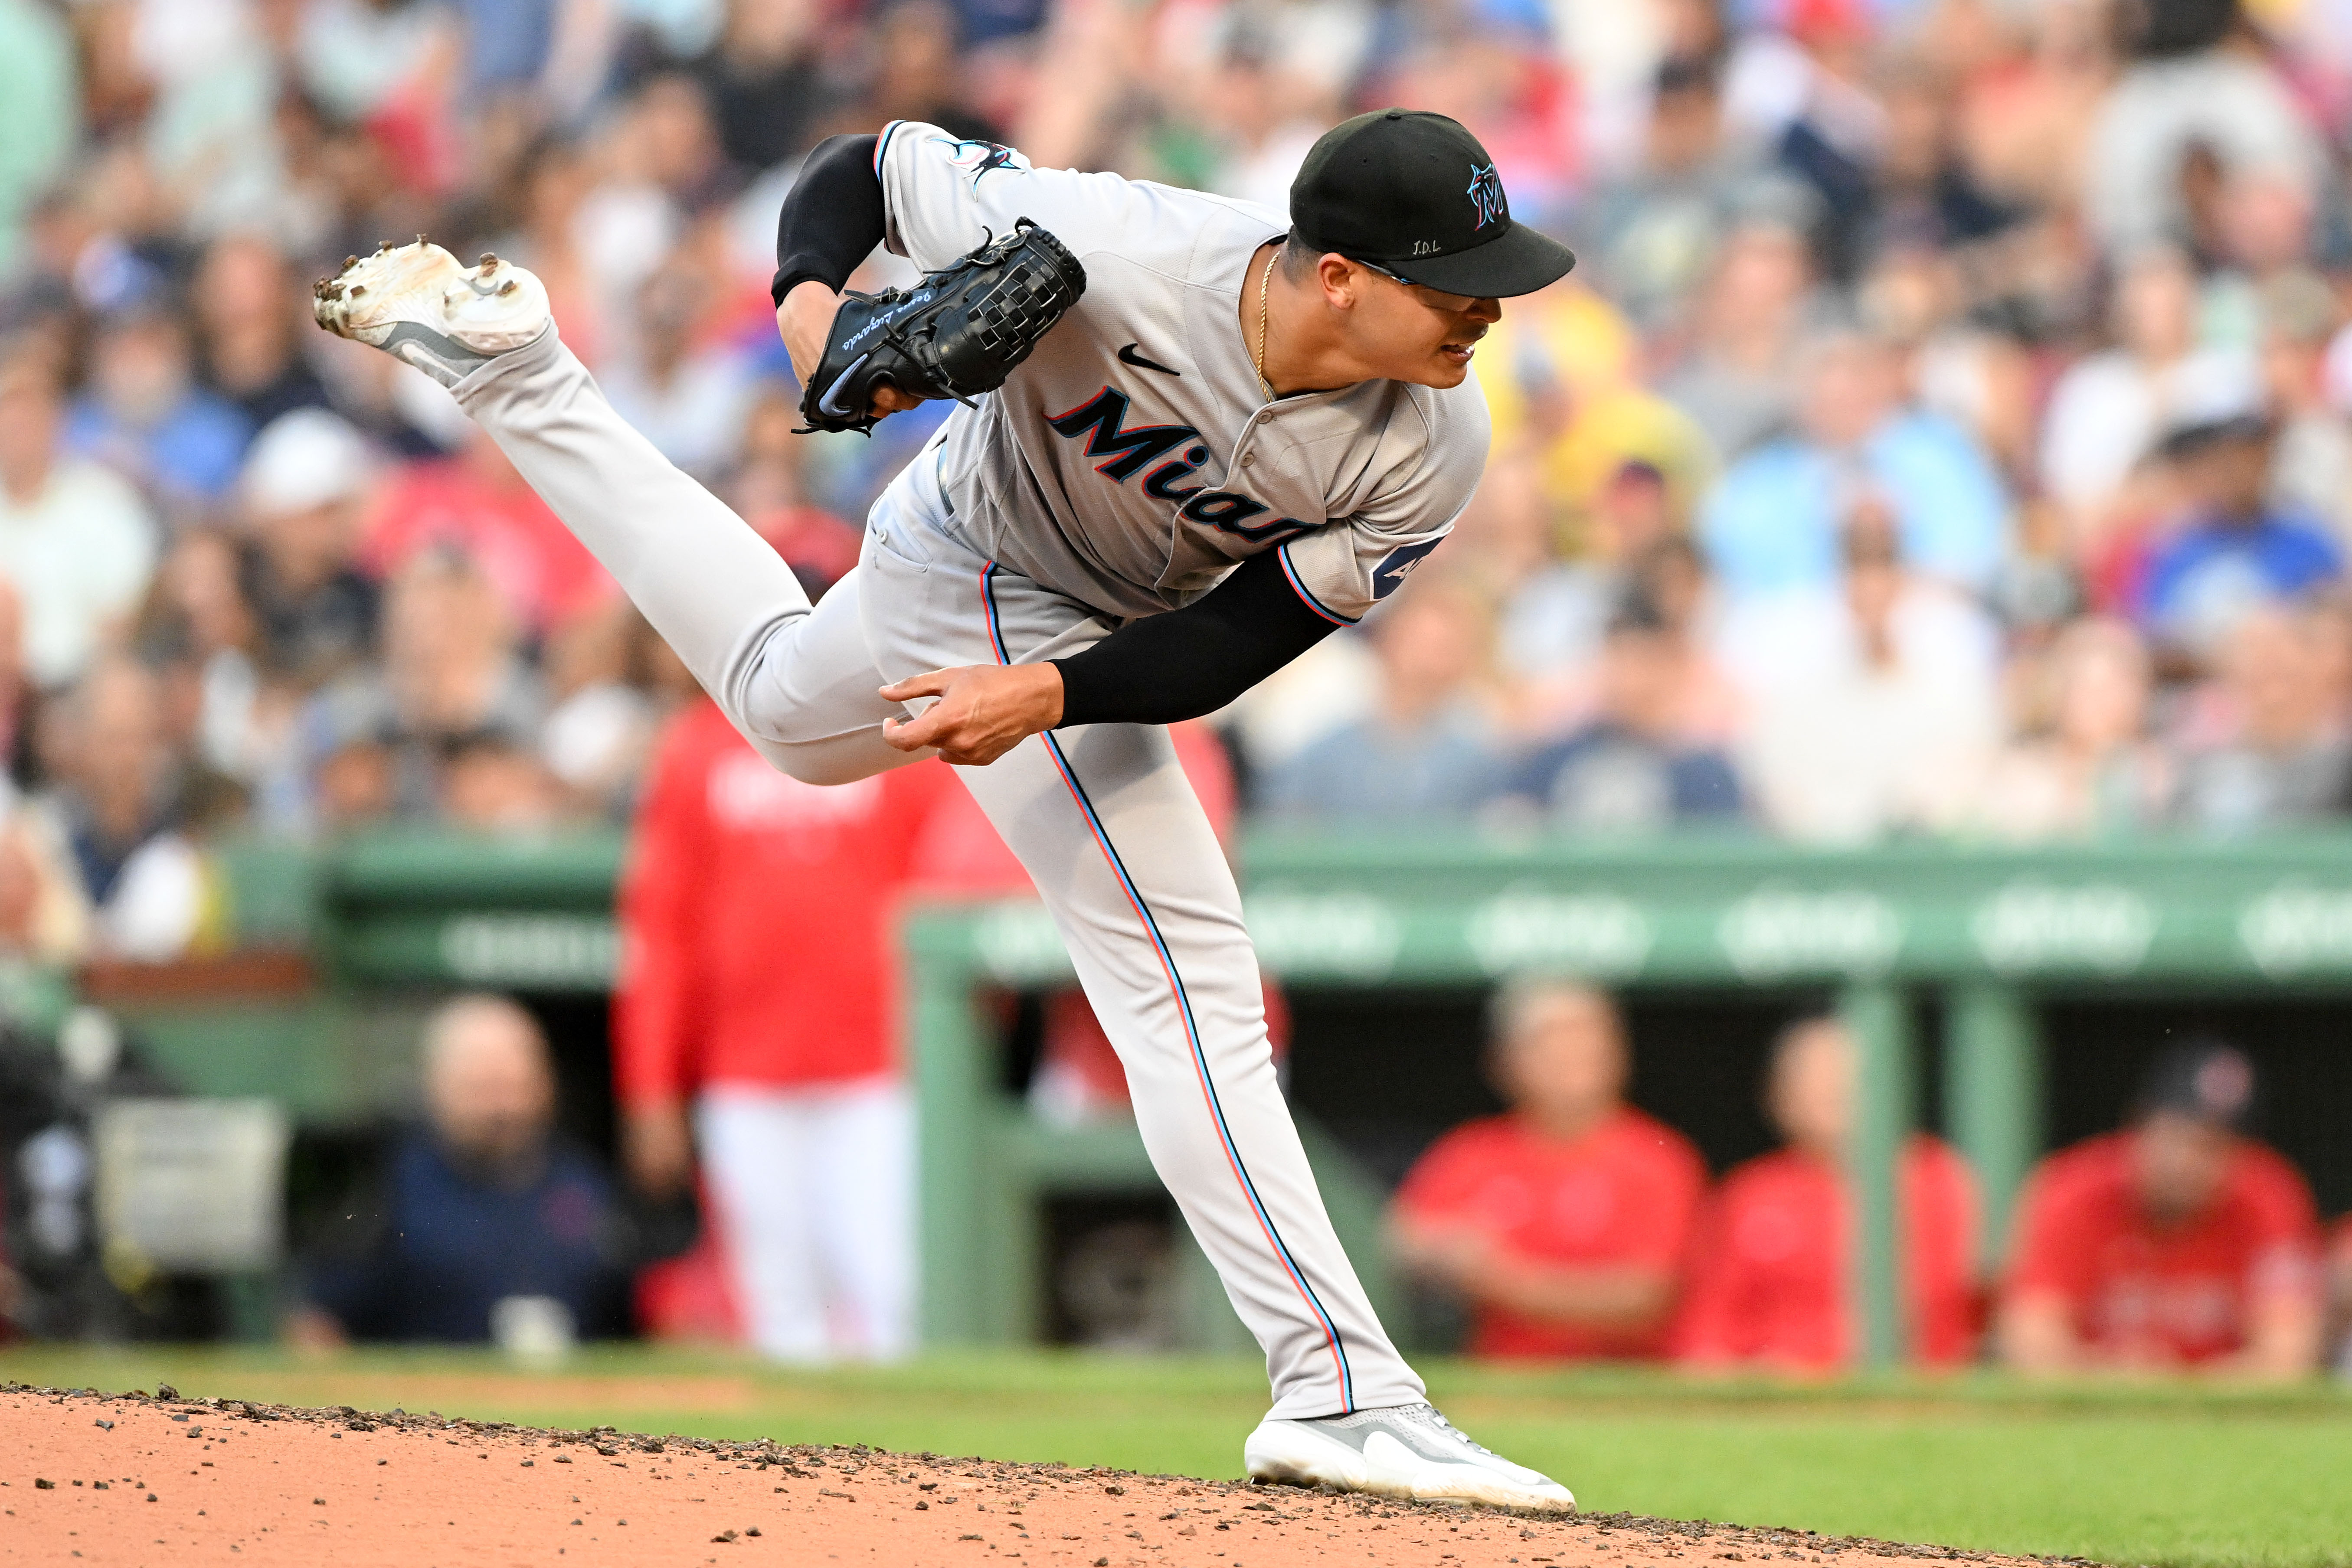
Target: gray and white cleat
(1405, 1450)
(417, 303)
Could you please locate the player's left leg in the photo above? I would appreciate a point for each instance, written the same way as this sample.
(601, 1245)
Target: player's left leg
(1110, 831)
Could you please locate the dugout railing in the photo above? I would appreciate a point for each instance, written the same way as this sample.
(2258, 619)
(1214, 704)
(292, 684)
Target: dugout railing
(375, 929)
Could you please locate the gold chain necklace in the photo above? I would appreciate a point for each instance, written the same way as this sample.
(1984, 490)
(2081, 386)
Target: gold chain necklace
(1265, 281)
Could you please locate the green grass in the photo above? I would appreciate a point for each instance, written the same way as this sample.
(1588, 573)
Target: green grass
(2144, 1475)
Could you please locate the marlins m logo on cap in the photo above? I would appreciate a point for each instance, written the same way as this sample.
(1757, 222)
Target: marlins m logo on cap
(1486, 195)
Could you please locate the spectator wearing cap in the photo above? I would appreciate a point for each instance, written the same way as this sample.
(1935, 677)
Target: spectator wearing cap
(2177, 1242)
(74, 539)
(1634, 766)
(1772, 524)
(1562, 1222)
(307, 481)
(143, 414)
(1772, 1260)
(2234, 549)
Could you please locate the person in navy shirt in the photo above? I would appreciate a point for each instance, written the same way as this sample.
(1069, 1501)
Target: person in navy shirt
(2238, 551)
(480, 1205)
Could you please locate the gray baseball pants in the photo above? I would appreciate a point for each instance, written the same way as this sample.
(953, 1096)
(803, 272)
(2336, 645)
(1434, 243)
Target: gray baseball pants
(1101, 816)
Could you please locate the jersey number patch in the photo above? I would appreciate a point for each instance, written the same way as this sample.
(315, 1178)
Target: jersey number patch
(1389, 575)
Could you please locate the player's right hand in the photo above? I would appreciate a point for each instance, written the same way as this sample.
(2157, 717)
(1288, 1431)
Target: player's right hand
(983, 710)
(804, 320)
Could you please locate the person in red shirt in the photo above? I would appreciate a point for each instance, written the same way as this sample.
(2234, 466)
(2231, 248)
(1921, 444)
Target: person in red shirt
(1562, 1222)
(757, 1014)
(2178, 1243)
(1772, 1263)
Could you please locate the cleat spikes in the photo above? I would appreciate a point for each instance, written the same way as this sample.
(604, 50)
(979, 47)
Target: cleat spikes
(409, 300)
(349, 262)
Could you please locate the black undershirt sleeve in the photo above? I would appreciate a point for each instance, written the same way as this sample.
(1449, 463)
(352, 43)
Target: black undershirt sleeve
(831, 218)
(1195, 660)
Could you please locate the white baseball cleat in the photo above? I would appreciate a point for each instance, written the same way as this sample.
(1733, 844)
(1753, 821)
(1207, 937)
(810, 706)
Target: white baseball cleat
(1405, 1450)
(415, 301)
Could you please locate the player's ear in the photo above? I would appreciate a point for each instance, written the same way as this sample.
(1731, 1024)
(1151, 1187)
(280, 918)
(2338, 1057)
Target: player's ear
(1343, 280)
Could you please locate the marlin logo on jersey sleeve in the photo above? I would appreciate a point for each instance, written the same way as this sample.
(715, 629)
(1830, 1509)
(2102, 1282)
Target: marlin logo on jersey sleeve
(1486, 195)
(980, 156)
(1127, 450)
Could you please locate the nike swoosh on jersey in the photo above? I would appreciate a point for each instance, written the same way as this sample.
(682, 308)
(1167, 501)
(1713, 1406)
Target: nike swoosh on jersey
(1127, 356)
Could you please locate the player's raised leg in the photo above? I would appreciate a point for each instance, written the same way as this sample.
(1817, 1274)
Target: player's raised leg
(796, 680)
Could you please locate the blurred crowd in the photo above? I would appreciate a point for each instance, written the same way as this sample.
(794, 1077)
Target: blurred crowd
(1946, 430)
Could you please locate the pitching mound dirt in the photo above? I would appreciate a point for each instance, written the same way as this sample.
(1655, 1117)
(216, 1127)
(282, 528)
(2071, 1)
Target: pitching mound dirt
(135, 1478)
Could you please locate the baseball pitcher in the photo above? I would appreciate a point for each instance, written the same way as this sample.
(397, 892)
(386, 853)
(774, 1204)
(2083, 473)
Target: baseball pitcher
(1195, 439)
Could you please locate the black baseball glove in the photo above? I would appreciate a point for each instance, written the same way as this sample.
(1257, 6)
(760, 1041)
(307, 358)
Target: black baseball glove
(958, 333)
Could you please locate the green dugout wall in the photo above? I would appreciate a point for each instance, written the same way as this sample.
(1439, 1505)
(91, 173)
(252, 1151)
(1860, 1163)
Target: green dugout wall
(1983, 935)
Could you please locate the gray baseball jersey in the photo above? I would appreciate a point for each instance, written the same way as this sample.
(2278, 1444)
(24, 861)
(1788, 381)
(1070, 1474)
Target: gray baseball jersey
(1134, 460)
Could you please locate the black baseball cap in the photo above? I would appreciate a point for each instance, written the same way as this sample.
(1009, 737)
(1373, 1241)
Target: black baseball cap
(1413, 193)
